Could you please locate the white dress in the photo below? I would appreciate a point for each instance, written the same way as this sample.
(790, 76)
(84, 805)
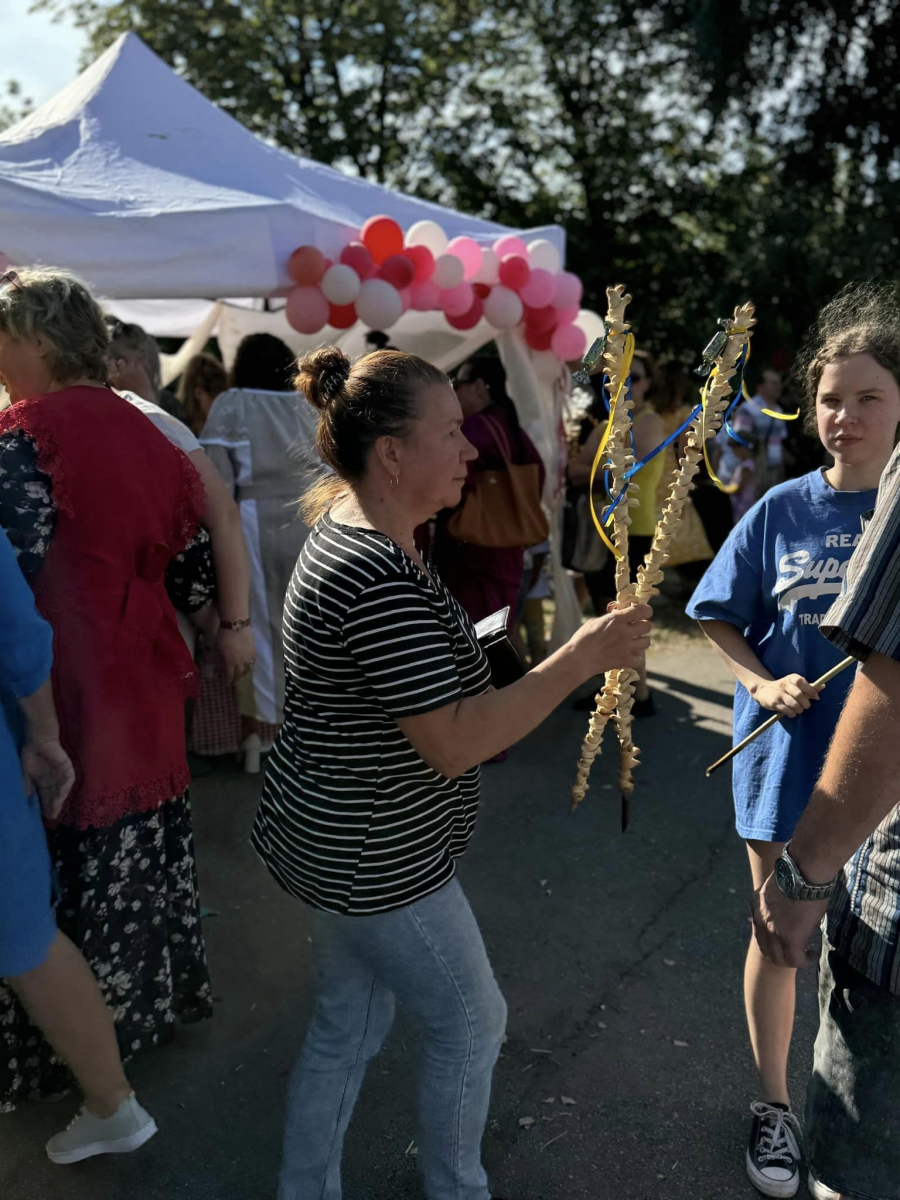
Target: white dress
(263, 445)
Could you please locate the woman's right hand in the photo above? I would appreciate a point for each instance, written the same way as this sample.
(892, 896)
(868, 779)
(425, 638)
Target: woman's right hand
(790, 696)
(620, 639)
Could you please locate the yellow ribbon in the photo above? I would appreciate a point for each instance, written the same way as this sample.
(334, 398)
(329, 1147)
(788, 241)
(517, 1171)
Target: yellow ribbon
(781, 416)
(627, 356)
(730, 488)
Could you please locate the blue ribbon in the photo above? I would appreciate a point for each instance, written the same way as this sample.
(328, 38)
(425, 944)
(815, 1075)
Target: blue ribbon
(673, 437)
(739, 395)
(635, 467)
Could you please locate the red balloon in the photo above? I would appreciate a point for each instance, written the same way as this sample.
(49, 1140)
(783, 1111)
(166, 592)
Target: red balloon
(470, 319)
(307, 265)
(398, 270)
(382, 237)
(423, 260)
(541, 319)
(358, 257)
(341, 316)
(482, 290)
(514, 272)
(538, 339)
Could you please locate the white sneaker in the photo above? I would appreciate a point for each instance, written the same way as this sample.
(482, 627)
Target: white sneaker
(819, 1191)
(127, 1129)
(773, 1156)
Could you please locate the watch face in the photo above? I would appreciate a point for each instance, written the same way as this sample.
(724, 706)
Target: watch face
(784, 877)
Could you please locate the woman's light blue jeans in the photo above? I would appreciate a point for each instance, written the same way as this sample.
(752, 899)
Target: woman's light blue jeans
(430, 957)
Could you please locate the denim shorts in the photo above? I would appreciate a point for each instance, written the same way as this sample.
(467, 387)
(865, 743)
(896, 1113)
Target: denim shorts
(853, 1099)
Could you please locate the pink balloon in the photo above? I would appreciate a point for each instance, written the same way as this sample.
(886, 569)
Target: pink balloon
(510, 245)
(358, 257)
(457, 301)
(424, 297)
(423, 260)
(565, 316)
(307, 309)
(568, 342)
(470, 319)
(468, 252)
(514, 272)
(307, 265)
(503, 309)
(405, 298)
(569, 290)
(539, 290)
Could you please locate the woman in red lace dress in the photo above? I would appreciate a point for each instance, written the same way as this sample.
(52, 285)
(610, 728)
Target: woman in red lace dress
(103, 513)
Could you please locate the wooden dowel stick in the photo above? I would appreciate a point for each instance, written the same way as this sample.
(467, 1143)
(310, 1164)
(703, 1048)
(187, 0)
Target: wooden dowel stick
(818, 685)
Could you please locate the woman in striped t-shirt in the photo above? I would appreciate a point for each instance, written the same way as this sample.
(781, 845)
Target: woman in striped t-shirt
(371, 792)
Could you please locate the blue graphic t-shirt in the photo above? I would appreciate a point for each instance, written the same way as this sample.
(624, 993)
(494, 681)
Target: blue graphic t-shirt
(775, 578)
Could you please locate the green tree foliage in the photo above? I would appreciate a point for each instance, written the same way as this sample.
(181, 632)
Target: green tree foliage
(701, 152)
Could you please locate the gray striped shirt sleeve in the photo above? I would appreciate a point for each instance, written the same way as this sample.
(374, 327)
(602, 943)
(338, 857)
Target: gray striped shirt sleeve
(865, 619)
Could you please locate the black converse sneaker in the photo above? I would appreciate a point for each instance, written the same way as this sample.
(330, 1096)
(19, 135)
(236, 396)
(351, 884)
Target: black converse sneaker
(773, 1156)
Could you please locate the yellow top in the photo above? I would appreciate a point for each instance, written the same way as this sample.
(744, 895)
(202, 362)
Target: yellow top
(643, 487)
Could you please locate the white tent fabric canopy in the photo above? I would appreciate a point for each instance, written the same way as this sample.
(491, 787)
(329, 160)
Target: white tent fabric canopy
(165, 204)
(136, 181)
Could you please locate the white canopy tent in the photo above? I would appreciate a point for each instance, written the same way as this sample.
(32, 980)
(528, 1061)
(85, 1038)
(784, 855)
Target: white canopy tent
(166, 204)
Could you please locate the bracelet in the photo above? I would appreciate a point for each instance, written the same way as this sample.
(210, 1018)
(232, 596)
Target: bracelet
(235, 626)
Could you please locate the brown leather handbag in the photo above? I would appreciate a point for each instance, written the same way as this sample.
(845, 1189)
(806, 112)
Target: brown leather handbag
(503, 510)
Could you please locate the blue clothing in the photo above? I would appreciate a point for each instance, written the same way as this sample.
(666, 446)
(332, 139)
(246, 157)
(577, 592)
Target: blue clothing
(27, 924)
(429, 957)
(775, 578)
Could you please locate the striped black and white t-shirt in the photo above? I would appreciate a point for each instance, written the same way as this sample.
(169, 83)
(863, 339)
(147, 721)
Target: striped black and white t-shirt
(351, 819)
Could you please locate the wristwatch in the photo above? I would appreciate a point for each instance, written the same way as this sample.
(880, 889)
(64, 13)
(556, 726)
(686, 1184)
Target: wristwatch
(235, 626)
(792, 884)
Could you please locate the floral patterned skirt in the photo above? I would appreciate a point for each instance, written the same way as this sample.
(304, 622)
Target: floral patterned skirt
(129, 902)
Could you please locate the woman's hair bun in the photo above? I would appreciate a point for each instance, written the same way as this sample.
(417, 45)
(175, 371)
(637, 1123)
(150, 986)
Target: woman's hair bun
(322, 375)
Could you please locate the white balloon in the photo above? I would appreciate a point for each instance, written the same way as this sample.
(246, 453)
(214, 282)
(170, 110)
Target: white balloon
(340, 284)
(544, 254)
(448, 271)
(591, 325)
(503, 309)
(489, 271)
(429, 234)
(378, 304)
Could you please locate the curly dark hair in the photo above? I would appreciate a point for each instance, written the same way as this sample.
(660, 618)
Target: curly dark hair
(863, 318)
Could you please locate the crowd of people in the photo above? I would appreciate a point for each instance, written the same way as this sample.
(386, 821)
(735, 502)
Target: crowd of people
(163, 570)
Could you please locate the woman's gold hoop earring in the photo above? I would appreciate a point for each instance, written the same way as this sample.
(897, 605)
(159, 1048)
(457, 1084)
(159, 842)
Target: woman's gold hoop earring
(395, 480)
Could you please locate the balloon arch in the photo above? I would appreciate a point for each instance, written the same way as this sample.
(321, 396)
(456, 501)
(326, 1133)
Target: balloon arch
(384, 273)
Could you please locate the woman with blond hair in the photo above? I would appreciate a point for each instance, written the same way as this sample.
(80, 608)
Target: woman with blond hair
(102, 512)
(371, 793)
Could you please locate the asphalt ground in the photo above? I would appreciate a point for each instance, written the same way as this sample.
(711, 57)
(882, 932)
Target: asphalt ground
(620, 957)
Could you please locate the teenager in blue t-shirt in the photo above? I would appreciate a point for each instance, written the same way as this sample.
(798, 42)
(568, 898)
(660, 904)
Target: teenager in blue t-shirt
(760, 603)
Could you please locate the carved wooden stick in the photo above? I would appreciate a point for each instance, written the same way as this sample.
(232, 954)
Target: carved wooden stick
(650, 573)
(620, 458)
(617, 696)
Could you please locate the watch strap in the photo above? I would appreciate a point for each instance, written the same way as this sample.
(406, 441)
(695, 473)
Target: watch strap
(804, 890)
(235, 626)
